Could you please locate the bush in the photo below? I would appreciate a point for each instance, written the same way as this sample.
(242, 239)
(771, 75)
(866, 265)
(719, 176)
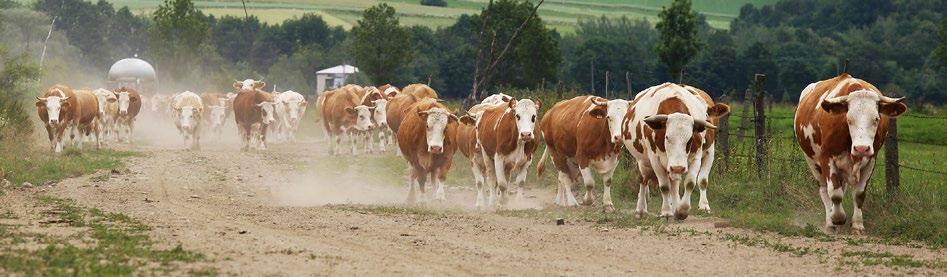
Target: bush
(438, 3)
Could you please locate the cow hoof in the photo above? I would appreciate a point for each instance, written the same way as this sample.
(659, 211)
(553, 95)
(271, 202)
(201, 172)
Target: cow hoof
(609, 209)
(640, 214)
(704, 209)
(838, 219)
(680, 215)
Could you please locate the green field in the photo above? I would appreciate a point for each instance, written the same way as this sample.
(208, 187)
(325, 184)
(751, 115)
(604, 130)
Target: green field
(559, 14)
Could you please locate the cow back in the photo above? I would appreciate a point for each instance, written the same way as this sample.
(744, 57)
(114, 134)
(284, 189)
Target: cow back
(420, 91)
(245, 109)
(87, 106)
(334, 109)
(396, 109)
(560, 124)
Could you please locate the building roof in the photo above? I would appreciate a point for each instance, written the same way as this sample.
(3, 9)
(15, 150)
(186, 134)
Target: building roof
(341, 69)
(131, 69)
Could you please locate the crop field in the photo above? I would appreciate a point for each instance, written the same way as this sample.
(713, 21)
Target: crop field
(559, 14)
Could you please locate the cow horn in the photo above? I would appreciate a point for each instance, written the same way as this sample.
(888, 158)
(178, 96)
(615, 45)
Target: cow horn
(598, 102)
(837, 99)
(705, 124)
(41, 99)
(885, 99)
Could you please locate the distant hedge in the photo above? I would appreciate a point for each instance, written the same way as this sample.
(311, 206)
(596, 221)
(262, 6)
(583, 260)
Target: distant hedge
(439, 3)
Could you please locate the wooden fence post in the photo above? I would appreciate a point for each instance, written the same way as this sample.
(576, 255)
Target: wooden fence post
(559, 90)
(747, 97)
(892, 165)
(592, 71)
(723, 140)
(760, 126)
(628, 85)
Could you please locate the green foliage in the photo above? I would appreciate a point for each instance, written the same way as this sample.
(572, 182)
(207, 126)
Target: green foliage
(533, 57)
(15, 77)
(382, 46)
(679, 41)
(178, 37)
(436, 3)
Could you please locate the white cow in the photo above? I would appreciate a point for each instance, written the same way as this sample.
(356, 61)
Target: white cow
(290, 108)
(108, 111)
(186, 109)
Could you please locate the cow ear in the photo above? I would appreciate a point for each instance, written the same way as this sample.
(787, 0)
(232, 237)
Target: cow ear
(237, 85)
(40, 102)
(451, 118)
(598, 112)
(512, 103)
(893, 109)
(835, 105)
(539, 104)
(351, 111)
(111, 100)
(656, 122)
(259, 84)
(422, 113)
(702, 125)
(467, 120)
(718, 110)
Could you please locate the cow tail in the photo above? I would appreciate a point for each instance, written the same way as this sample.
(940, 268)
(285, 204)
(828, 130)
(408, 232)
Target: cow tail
(541, 166)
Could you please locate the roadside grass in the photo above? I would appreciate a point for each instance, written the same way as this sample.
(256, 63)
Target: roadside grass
(891, 260)
(392, 210)
(25, 162)
(103, 244)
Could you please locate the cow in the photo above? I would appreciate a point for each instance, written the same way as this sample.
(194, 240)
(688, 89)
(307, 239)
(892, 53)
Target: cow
(665, 132)
(56, 108)
(253, 112)
(159, 105)
(87, 117)
(584, 134)
(129, 104)
(840, 124)
(426, 143)
(290, 108)
(343, 116)
(374, 98)
(396, 107)
(186, 112)
(507, 137)
(214, 111)
(108, 111)
(469, 146)
(389, 91)
(497, 99)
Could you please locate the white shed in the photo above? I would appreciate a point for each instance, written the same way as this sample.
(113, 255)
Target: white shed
(333, 77)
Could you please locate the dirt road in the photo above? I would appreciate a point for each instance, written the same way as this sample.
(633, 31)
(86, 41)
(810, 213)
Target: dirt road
(265, 213)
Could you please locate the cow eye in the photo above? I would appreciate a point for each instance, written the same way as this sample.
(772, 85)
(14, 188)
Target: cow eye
(517, 117)
(534, 118)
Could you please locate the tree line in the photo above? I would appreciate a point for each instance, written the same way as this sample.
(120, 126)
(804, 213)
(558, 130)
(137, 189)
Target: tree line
(896, 44)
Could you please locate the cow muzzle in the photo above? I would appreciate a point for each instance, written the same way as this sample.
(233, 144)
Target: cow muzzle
(53, 121)
(862, 150)
(122, 113)
(678, 169)
(526, 136)
(435, 149)
(617, 139)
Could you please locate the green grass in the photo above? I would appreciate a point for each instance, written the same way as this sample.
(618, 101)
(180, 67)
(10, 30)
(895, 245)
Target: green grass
(561, 15)
(25, 162)
(105, 244)
(891, 260)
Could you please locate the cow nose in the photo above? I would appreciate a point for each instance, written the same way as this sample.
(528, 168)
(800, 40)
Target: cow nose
(616, 139)
(54, 121)
(861, 149)
(527, 136)
(678, 169)
(436, 149)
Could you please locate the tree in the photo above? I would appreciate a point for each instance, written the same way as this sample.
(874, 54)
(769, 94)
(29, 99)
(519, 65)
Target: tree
(382, 45)
(178, 36)
(679, 41)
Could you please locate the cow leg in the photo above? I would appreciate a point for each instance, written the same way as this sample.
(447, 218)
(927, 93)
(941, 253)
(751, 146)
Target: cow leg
(245, 134)
(565, 185)
(703, 176)
(664, 182)
(479, 180)
(50, 133)
(607, 187)
(438, 185)
(382, 140)
(858, 197)
(412, 179)
(263, 136)
(196, 145)
(502, 184)
(836, 186)
(131, 129)
(589, 182)
(684, 207)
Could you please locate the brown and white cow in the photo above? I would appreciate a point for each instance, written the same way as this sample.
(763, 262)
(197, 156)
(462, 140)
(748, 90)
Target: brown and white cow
(374, 98)
(253, 111)
(343, 117)
(426, 142)
(129, 104)
(420, 91)
(396, 107)
(389, 90)
(290, 109)
(709, 151)
(56, 108)
(666, 131)
(186, 111)
(87, 117)
(507, 136)
(584, 134)
(214, 111)
(108, 112)
(840, 124)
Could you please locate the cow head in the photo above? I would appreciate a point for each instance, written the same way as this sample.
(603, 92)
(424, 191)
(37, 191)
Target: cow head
(679, 129)
(104, 97)
(525, 112)
(248, 85)
(497, 99)
(55, 107)
(217, 114)
(124, 100)
(436, 121)
(613, 111)
(267, 108)
(363, 116)
(863, 110)
(187, 117)
(293, 108)
(391, 92)
(380, 115)
(158, 101)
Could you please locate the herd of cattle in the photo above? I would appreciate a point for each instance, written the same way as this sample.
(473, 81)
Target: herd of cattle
(669, 129)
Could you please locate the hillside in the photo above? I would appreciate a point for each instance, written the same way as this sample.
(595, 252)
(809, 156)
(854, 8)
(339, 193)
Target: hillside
(559, 14)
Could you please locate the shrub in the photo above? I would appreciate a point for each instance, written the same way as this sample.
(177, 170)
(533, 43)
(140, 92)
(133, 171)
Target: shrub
(438, 3)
